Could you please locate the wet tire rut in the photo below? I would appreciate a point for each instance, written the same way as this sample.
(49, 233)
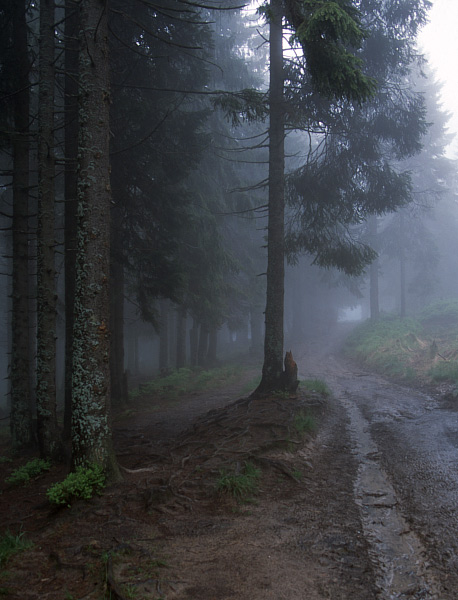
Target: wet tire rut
(396, 552)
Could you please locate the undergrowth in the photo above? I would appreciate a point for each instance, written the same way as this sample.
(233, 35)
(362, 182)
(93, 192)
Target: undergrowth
(317, 386)
(84, 483)
(406, 349)
(11, 544)
(303, 423)
(186, 381)
(242, 483)
(24, 474)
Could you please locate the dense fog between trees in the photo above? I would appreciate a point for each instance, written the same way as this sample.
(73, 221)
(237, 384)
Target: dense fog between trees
(370, 222)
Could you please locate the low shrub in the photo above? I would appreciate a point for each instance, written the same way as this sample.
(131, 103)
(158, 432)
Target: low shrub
(83, 483)
(25, 473)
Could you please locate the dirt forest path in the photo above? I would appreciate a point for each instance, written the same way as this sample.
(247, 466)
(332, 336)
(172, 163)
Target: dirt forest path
(405, 444)
(364, 510)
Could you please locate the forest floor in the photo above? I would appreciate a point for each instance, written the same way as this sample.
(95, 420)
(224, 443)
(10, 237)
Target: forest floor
(167, 532)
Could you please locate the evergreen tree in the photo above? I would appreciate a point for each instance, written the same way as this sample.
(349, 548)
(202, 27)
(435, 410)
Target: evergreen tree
(21, 413)
(47, 429)
(91, 422)
(324, 30)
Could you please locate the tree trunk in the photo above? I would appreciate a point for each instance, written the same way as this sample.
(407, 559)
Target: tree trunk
(373, 271)
(256, 331)
(91, 413)
(71, 153)
(181, 338)
(202, 349)
(212, 360)
(47, 429)
(21, 414)
(193, 343)
(119, 391)
(273, 340)
(164, 336)
(118, 388)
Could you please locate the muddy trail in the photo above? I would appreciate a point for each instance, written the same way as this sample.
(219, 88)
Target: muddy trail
(405, 442)
(362, 508)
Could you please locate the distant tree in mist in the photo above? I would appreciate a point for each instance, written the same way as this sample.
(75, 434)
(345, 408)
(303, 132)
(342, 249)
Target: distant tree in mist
(352, 173)
(406, 237)
(15, 84)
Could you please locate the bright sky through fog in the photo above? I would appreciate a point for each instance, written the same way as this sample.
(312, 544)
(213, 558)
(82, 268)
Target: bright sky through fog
(439, 42)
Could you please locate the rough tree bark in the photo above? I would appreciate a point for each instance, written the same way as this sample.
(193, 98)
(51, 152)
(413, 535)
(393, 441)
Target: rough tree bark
(21, 414)
(47, 428)
(91, 414)
(71, 153)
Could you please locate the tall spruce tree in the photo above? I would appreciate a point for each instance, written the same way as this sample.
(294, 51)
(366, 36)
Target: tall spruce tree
(91, 414)
(21, 412)
(47, 429)
(324, 31)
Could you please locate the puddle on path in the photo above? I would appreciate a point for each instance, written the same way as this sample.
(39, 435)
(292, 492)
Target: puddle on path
(396, 552)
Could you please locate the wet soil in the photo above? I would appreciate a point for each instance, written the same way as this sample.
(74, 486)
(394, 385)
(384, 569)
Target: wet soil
(362, 508)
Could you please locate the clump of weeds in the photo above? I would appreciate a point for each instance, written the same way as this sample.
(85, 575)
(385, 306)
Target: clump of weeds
(241, 484)
(24, 474)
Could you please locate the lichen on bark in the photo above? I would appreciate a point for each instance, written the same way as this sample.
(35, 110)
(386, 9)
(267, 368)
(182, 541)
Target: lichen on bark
(91, 411)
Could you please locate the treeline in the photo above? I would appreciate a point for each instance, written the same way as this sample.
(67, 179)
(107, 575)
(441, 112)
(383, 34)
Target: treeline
(138, 173)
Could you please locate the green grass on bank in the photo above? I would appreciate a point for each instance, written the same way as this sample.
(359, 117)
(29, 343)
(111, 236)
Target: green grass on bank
(408, 349)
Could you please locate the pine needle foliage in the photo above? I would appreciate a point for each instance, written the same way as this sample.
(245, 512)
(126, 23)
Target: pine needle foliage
(328, 32)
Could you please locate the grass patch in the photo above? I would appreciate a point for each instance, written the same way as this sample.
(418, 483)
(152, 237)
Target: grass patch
(304, 423)
(24, 474)
(11, 544)
(444, 371)
(440, 316)
(84, 483)
(388, 345)
(240, 485)
(317, 386)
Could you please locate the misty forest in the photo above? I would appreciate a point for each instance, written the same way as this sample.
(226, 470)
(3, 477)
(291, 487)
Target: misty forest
(229, 302)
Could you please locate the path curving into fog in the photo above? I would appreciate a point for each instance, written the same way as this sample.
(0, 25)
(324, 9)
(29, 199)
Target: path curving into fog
(406, 445)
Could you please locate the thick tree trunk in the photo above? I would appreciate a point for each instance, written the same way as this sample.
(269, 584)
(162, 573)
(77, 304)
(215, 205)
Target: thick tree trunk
(47, 429)
(71, 153)
(373, 271)
(181, 338)
(273, 341)
(91, 418)
(21, 414)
